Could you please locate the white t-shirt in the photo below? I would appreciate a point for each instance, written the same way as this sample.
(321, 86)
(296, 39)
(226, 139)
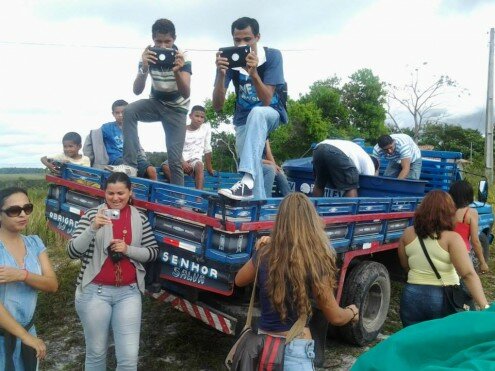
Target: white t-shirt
(84, 160)
(197, 143)
(356, 153)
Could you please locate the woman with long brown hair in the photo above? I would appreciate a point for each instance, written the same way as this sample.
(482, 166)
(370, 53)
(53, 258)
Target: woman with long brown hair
(295, 264)
(423, 295)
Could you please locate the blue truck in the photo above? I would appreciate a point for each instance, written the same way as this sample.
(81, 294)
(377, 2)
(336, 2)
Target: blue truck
(204, 239)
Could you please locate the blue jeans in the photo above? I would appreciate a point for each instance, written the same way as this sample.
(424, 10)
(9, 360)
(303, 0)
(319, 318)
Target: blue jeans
(174, 125)
(250, 142)
(272, 176)
(421, 303)
(100, 307)
(299, 355)
(394, 168)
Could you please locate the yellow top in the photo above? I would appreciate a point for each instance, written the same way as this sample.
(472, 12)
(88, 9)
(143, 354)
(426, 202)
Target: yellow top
(420, 271)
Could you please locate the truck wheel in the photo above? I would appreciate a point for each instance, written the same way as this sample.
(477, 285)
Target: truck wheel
(368, 287)
(485, 246)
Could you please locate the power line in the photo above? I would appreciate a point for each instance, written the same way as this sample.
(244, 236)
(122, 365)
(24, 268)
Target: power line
(30, 43)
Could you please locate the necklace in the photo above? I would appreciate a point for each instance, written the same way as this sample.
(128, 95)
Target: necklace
(116, 265)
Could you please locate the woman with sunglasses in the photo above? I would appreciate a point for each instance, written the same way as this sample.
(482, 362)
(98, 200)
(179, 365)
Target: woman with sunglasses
(24, 269)
(112, 245)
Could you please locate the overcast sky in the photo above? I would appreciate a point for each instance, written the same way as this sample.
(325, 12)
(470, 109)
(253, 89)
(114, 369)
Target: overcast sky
(63, 62)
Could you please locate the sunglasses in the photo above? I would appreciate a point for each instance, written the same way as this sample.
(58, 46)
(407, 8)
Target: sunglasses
(14, 211)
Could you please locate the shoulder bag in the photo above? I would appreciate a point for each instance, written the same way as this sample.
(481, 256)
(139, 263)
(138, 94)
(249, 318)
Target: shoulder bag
(262, 352)
(456, 299)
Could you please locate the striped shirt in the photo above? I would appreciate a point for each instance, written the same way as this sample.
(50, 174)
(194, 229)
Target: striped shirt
(404, 148)
(83, 248)
(164, 86)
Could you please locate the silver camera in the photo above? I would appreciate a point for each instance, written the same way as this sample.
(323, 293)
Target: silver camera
(112, 213)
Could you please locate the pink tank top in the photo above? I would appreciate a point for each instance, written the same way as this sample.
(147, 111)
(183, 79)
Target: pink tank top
(464, 230)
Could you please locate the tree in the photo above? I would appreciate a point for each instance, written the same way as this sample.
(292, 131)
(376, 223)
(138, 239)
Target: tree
(364, 98)
(224, 153)
(421, 102)
(306, 126)
(446, 137)
(327, 96)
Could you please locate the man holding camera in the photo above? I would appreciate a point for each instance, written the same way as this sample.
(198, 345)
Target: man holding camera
(168, 102)
(260, 104)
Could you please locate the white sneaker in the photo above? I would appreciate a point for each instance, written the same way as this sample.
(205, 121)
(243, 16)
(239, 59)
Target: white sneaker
(126, 169)
(239, 191)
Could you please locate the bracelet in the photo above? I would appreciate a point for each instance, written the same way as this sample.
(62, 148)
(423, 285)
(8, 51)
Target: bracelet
(25, 276)
(354, 314)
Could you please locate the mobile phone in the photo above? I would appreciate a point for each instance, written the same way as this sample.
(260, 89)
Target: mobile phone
(165, 57)
(236, 55)
(112, 213)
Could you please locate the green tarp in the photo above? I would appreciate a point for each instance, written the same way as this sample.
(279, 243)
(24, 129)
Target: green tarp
(463, 341)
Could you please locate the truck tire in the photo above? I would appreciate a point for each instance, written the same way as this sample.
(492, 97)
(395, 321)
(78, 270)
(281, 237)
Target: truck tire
(368, 287)
(485, 246)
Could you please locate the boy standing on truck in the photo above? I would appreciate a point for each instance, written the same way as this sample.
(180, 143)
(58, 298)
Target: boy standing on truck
(260, 90)
(72, 144)
(196, 144)
(339, 163)
(168, 101)
(403, 155)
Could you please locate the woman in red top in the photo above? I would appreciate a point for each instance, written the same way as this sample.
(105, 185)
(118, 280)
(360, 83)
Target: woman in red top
(466, 219)
(112, 241)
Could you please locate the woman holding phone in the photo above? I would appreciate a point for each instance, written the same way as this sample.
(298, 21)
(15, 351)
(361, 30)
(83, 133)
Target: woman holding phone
(113, 241)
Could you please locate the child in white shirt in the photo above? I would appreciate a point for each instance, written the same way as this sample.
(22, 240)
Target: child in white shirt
(196, 144)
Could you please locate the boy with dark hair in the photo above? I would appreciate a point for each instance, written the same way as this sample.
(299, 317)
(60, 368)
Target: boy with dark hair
(196, 144)
(403, 155)
(113, 142)
(168, 102)
(259, 105)
(72, 144)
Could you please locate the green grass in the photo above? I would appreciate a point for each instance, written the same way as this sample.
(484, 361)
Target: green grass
(22, 180)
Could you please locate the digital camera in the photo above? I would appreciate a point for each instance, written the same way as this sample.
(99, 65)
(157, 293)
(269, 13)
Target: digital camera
(114, 255)
(165, 57)
(112, 213)
(236, 55)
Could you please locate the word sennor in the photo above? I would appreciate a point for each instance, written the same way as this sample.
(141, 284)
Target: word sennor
(189, 265)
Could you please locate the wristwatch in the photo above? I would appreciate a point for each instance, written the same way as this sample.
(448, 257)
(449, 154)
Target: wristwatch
(142, 72)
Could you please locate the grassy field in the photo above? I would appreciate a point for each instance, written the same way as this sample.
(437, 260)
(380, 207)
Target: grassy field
(170, 340)
(22, 180)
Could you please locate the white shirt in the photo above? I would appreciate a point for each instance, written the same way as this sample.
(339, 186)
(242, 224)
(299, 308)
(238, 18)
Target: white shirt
(84, 160)
(358, 156)
(197, 143)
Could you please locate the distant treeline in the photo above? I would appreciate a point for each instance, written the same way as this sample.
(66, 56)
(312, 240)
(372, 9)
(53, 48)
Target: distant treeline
(21, 170)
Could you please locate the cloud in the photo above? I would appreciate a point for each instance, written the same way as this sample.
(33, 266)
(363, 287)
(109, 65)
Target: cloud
(83, 55)
(462, 6)
(278, 19)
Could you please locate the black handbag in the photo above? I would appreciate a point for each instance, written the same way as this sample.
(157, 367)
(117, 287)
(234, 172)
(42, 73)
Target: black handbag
(254, 351)
(456, 299)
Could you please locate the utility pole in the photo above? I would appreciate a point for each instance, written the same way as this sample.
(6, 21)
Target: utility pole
(489, 115)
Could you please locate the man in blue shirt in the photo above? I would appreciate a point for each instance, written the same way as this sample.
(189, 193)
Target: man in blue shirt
(403, 154)
(259, 105)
